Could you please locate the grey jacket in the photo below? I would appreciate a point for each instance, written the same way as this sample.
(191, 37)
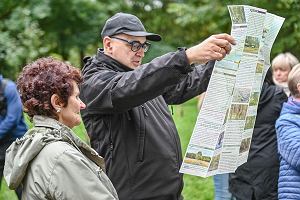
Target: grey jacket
(51, 162)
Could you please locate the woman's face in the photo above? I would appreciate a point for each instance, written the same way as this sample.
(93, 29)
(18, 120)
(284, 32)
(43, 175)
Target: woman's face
(281, 73)
(70, 115)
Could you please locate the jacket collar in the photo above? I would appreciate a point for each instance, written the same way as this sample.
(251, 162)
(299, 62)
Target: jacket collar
(62, 130)
(68, 135)
(109, 62)
(42, 121)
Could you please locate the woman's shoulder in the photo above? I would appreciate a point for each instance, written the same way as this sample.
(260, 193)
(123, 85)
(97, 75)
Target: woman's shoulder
(57, 149)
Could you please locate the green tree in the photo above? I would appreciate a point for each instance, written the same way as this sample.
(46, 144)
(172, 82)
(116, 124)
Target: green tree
(19, 37)
(201, 18)
(33, 28)
(70, 29)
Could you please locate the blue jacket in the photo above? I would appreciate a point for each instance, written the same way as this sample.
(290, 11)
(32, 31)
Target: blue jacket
(13, 122)
(288, 135)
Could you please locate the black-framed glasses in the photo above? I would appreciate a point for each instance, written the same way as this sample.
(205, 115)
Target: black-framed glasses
(135, 45)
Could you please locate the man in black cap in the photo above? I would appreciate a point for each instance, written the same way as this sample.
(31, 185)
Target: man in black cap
(127, 115)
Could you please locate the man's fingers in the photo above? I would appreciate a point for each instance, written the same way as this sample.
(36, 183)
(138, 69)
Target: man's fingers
(227, 37)
(227, 49)
(213, 48)
(220, 50)
(220, 43)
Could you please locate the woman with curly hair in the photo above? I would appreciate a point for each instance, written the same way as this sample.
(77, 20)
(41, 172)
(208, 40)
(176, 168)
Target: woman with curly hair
(50, 161)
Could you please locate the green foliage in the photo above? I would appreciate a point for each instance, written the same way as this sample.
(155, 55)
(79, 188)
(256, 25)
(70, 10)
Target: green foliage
(202, 18)
(198, 21)
(71, 29)
(6, 193)
(31, 28)
(18, 37)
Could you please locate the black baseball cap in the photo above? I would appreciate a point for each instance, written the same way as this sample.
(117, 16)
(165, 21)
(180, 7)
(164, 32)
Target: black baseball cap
(127, 24)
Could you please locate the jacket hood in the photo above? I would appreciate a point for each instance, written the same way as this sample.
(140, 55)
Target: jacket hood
(24, 150)
(291, 107)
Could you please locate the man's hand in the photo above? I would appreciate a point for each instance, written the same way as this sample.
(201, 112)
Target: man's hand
(213, 48)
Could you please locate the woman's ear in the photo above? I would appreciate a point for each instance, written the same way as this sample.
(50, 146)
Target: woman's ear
(298, 87)
(56, 102)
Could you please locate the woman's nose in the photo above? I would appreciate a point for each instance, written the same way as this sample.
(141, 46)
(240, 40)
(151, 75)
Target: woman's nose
(82, 105)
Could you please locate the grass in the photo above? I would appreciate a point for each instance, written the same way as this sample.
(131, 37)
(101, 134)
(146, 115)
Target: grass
(185, 115)
(195, 188)
(5, 193)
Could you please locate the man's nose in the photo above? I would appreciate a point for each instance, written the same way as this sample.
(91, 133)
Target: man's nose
(140, 52)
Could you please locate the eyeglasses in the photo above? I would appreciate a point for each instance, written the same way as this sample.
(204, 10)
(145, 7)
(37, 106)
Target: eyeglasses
(135, 45)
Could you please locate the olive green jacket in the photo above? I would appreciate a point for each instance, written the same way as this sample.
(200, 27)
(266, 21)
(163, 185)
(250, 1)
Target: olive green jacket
(51, 162)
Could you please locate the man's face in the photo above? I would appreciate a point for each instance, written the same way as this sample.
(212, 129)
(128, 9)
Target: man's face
(121, 50)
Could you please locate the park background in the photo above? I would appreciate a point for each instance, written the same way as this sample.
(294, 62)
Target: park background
(70, 30)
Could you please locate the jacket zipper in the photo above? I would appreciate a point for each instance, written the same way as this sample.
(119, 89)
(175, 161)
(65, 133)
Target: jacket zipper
(141, 139)
(111, 145)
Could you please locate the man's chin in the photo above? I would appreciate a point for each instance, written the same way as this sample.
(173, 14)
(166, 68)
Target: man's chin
(135, 65)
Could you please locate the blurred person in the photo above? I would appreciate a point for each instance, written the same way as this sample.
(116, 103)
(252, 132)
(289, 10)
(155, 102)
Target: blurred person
(282, 64)
(257, 178)
(12, 124)
(221, 187)
(288, 135)
(50, 161)
(127, 113)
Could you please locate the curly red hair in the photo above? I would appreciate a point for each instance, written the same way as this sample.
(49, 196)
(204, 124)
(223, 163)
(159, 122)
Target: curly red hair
(41, 79)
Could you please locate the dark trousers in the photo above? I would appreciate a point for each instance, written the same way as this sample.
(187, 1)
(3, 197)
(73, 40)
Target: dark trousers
(4, 144)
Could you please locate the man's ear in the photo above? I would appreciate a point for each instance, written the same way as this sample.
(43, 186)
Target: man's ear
(56, 102)
(107, 45)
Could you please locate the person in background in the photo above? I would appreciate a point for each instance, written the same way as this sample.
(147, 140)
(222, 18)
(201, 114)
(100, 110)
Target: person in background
(12, 124)
(257, 178)
(282, 64)
(221, 187)
(50, 161)
(127, 113)
(288, 135)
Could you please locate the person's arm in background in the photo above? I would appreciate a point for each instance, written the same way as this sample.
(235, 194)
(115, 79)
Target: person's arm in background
(289, 141)
(14, 109)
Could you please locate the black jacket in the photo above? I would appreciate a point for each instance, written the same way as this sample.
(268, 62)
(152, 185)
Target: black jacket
(258, 177)
(128, 120)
